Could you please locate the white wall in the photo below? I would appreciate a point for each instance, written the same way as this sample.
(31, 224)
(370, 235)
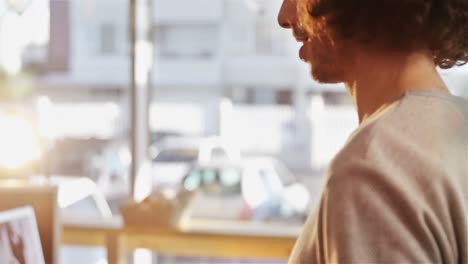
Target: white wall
(190, 73)
(261, 129)
(192, 111)
(330, 129)
(273, 71)
(183, 11)
(239, 28)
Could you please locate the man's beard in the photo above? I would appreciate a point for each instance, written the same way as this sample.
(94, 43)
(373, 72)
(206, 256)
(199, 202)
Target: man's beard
(327, 73)
(327, 69)
(326, 63)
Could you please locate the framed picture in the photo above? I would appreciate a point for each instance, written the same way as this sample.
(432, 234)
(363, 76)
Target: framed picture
(43, 199)
(19, 237)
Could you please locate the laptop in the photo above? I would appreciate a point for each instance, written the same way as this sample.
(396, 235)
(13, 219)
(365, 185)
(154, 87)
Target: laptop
(19, 237)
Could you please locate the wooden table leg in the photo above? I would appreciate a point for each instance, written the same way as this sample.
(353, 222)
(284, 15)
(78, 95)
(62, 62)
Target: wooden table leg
(116, 253)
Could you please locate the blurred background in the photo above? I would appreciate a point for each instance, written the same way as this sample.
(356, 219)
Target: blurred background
(214, 98)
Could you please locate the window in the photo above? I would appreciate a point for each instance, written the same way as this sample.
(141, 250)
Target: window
(284, 97)
(267, 96)
(177, 155)
(108, 39)
(171, 41)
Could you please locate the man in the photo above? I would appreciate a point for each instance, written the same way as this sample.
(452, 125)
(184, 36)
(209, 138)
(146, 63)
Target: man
(397, 192)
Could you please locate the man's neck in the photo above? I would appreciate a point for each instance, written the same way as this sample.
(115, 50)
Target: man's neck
(377, 79)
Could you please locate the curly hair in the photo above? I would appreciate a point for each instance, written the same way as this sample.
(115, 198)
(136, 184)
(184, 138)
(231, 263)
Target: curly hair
(439, 25)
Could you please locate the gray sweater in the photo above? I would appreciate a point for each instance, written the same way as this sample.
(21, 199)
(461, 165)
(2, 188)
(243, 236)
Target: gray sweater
(398, 191)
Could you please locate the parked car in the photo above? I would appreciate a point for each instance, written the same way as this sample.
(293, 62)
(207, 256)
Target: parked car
(220, 178)
(173, 156)
(268, 189)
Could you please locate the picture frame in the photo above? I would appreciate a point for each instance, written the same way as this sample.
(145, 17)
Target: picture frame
(19, 237)
(43, 200)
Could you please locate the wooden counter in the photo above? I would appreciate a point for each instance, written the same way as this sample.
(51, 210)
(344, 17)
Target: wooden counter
(204, 238)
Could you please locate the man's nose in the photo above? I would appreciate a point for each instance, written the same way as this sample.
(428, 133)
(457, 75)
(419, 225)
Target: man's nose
(288, 14)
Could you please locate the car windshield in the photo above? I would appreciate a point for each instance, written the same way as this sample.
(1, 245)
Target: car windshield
(177, 155)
